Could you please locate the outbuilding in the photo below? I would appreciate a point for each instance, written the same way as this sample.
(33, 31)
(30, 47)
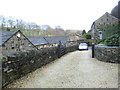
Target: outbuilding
(14, 41)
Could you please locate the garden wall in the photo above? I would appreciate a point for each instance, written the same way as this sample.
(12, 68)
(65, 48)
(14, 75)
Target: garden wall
(107, 54)
(19, 64)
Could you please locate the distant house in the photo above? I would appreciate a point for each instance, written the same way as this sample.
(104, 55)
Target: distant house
(75, 37)
(103, 20)
(14, 41)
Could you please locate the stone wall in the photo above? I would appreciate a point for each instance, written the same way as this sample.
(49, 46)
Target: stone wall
(19, 64)
(107, 54)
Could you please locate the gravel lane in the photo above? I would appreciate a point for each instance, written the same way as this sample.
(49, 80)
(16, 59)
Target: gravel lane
(73, 70)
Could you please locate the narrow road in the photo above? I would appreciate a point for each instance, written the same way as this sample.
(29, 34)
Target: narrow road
(74, 70)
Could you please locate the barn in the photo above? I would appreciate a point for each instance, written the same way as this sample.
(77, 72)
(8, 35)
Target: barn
(14, 41)
(43, 42)
(39, 42)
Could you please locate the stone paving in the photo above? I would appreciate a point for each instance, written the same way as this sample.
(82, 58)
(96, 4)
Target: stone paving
(74, 70)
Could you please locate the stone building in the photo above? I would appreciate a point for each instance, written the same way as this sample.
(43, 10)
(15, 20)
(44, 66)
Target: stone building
(39, 42)
(43, 42)
(74, 37)
(14, 41)
(55, 40)
(103, 20)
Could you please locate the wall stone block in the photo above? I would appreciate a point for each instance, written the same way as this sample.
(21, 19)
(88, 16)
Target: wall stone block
(107, 54)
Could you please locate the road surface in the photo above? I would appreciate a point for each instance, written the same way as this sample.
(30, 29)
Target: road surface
(73, 70)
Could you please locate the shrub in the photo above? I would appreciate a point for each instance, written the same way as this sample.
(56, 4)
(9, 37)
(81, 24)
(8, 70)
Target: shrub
(101, 41)
(88, 36)
(109, 29)
(113, 40)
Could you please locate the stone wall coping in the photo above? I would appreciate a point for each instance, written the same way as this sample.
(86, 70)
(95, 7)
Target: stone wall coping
(107, 46)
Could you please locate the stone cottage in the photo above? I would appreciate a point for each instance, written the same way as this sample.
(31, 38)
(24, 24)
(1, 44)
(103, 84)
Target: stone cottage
(14, 41)
(103, 20)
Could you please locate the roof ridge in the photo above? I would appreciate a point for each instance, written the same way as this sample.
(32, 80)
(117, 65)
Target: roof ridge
(7, 35)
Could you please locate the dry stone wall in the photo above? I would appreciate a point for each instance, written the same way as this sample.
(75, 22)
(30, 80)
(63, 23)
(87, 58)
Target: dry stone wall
(107, 54)
(19, 64)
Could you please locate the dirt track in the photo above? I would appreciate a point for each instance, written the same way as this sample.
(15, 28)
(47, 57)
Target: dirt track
(74, 70)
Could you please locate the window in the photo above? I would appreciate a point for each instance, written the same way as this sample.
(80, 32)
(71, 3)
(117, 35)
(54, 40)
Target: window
(29, 45)
(18, 35)
(100, 32)
(100, 35)
(12, 48)
(3, 45)
(107, 19)
(12, 41)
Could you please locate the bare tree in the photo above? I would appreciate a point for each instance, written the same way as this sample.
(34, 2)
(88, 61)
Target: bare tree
(11, 22)
(2, 22)
(45, 27)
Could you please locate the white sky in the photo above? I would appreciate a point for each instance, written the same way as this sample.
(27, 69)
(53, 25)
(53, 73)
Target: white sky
(69, 14)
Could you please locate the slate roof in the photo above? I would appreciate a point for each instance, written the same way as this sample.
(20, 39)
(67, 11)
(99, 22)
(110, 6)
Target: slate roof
(5, 35)
(35, 40)
(47, 40)
(56, 39)
(38, 40)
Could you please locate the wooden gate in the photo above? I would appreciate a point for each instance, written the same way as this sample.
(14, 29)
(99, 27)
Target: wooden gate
(61, 49)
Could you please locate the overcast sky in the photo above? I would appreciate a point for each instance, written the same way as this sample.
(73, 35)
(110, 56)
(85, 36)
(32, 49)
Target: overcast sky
(69, 14)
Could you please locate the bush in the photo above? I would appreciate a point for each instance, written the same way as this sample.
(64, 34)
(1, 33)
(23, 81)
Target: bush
(88, 36)
(113, 40)
(101, 41)
(109, 29)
